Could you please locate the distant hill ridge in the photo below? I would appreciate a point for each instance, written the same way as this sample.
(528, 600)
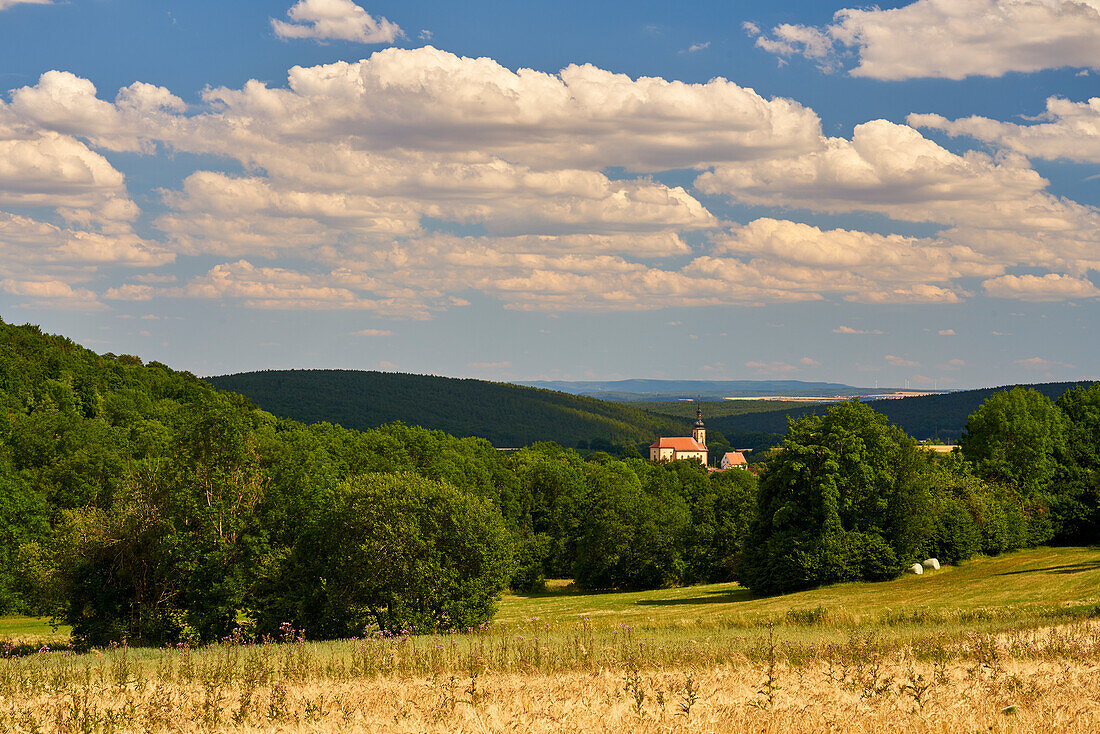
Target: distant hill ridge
(647, 389)
(507, 415)
(510, 415)
(927, 416)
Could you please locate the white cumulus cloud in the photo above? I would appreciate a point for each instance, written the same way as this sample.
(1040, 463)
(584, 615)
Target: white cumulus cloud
(75, 217)
(64, 102)
(5, 4)
(950, 39)
(48, 293)
(861, 266)
(800, 40)
(771, 368)
(340, 20)
(131, 292)
(400, 182)
(1065, 130)
(996, 209)
(851, 330)
(283, 289)
(1049, 287)
(1042, 364)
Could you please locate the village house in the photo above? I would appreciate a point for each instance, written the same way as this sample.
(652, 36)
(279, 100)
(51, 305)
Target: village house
(693, 447)
(733, 460)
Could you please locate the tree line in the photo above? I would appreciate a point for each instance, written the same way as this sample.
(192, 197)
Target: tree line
(139, 503)
(941, 417)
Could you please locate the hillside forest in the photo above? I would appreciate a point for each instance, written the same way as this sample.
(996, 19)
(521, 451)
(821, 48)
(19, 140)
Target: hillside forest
(510, 415)
(504, 414)
(139, 503)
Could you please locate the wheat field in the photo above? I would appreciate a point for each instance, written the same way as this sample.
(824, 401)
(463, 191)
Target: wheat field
(1030, 698)
(1036, 680)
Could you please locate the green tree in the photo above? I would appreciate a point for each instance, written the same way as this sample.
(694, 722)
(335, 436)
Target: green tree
(551, 490)
(109, 576)
(629, 538)
(395, 552)
(1077, 506)
(1016, 438)
(964, 506)
(1013, 437)
(23, 519)
(721, 516)
(832, 504)
(170, 559)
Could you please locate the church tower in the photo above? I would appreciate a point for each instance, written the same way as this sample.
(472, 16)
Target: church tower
(699, 433)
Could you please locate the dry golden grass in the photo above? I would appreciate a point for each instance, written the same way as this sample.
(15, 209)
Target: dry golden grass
(1043, 680)
(1033, 698)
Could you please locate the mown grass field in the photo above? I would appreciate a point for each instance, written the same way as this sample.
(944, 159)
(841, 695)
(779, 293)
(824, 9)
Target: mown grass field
(1006, 644)
(1012, 586)
(31, 630)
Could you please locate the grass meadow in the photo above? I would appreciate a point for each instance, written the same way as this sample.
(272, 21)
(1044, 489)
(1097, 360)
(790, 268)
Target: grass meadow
(32, 631)
(1006, 644)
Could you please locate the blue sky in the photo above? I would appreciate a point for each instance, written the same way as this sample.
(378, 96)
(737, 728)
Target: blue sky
(901, 195)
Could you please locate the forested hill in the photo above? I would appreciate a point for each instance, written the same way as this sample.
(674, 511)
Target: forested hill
(645, 390)
(507, 415)
(928, 416)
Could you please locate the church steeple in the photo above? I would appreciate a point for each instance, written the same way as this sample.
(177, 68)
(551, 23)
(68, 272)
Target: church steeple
(699, 432)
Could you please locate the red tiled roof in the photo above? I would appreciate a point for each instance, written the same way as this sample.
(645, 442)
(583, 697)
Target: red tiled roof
(679, 443)
(735, 458)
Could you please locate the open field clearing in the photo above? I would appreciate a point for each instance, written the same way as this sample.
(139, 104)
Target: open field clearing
(719, 408)
(1037, 584)
(31, 631)
(1002, 644)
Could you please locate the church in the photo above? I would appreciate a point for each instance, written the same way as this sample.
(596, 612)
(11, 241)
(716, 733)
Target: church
(692, 447)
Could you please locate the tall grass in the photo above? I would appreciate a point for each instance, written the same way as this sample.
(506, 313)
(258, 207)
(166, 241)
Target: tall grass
(530, 677)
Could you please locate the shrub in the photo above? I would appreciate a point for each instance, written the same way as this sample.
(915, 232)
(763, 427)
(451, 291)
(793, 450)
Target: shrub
(870, 557)
(958, 537)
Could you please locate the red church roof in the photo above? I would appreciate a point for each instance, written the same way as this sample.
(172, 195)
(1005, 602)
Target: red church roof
(679, 443)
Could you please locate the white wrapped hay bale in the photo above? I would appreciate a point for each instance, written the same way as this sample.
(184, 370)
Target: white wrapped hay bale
(932, 564)
(917, 568)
